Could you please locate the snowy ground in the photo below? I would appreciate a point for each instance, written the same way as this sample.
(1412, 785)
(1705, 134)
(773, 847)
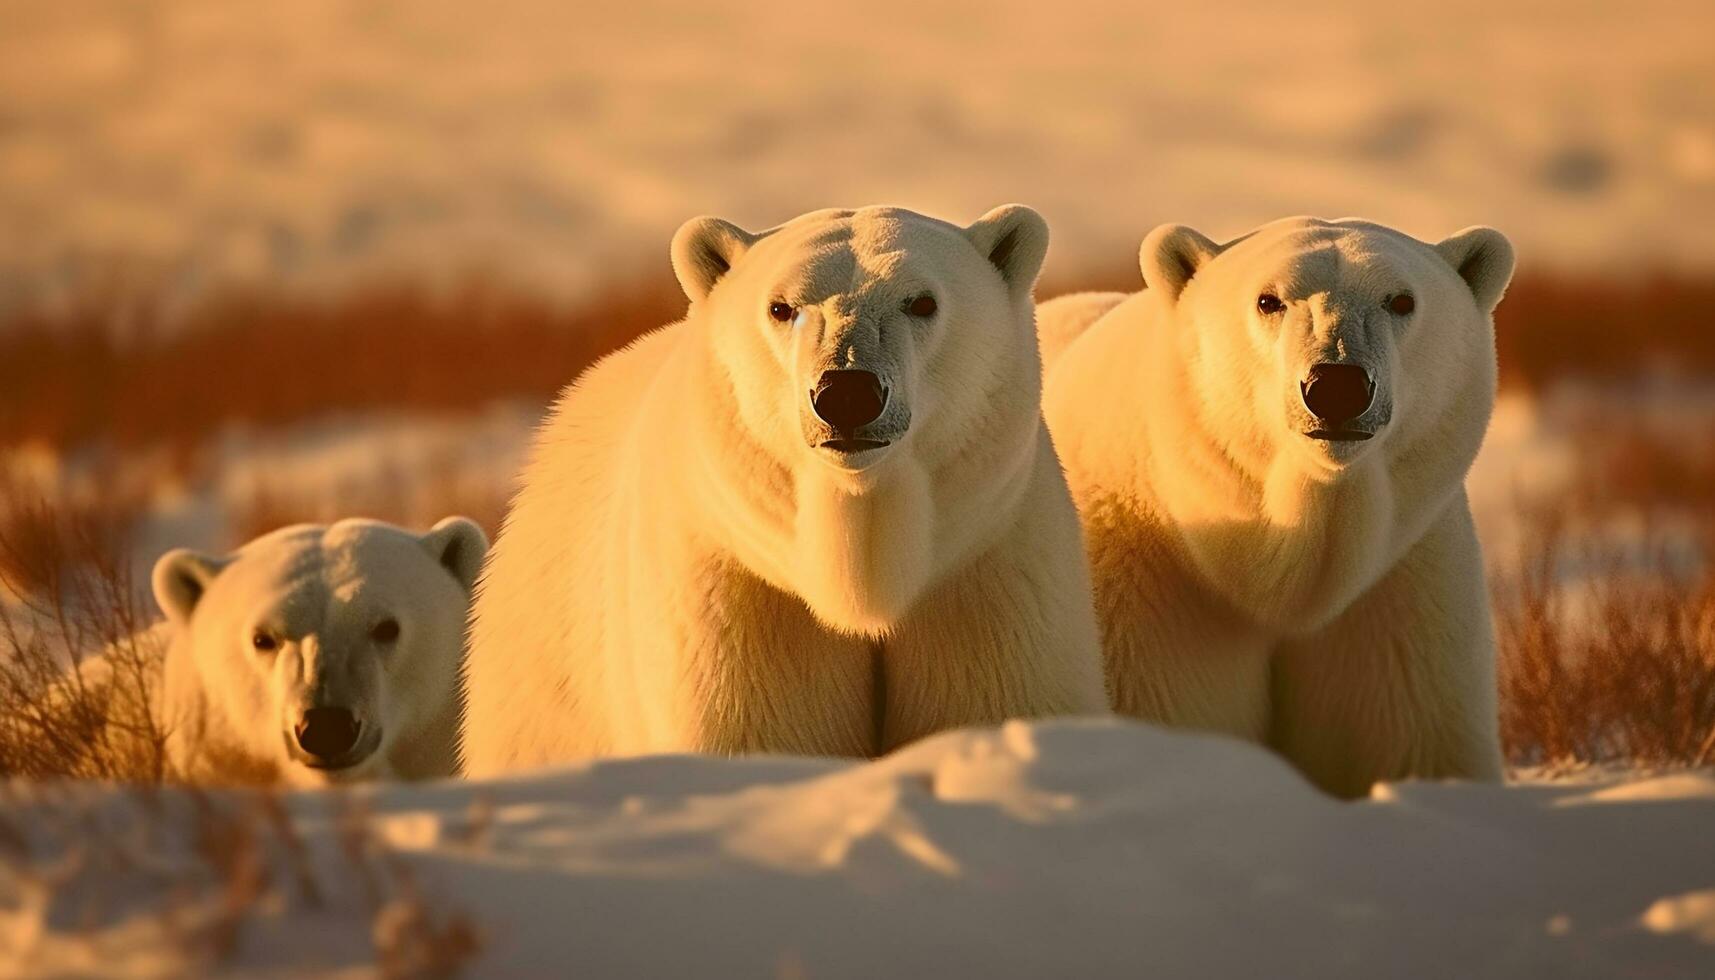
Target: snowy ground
(1059, 849)
(559, 144)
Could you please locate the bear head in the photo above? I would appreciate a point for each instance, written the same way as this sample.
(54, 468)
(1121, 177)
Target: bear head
(854, 337)
(1334, 341)
(322, 647)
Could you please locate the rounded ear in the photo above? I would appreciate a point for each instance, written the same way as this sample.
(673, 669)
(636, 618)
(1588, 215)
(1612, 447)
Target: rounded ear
(1171, 255)
(704, 249)
(180, 578)
(1484, 259)
(459, 546)
(1014, 239)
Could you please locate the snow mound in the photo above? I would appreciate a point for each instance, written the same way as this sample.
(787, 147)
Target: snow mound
(1068, 848)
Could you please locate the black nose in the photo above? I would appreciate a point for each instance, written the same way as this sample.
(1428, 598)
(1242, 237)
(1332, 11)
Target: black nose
(848, 400)
(328, 733)
(1337, 393)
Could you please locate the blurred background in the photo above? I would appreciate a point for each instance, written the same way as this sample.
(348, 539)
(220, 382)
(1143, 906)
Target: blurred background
(276, 261)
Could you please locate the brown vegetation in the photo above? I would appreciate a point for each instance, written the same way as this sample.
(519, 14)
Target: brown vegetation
(119, 373)
(90, 376)
(1619, 665)
(1607, 621)
(1552, 327)
(77, 662)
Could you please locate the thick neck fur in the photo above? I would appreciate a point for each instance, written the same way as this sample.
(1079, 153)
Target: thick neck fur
(859, 549)
(1289, 546)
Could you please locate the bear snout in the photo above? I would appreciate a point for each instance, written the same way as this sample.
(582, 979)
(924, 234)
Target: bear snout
(1337, 394)
(848, 400)
(328, 734)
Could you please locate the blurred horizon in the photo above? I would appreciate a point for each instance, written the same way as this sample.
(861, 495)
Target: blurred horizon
(176, 150)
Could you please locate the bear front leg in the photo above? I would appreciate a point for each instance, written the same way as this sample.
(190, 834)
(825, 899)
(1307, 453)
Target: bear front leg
(1176, 653)
(1012, 634)
(754, 671)
(1401, 685)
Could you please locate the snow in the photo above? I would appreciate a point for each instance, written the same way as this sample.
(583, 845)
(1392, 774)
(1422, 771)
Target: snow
(199, 142)
(1064, 848)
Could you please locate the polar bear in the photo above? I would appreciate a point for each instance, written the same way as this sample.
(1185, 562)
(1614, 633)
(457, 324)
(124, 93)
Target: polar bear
(821, 514)
(318, 654)
(1268, 448)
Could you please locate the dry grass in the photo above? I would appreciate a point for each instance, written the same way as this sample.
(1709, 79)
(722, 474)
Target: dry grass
(121, 375)
(115, 372)
(1619, 666)
(47, 533)
(1607, 623)
(77, 663)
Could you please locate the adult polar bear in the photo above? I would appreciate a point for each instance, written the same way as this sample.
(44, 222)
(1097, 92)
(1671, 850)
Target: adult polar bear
(1268, 447)
(821, 514)
(318, 654)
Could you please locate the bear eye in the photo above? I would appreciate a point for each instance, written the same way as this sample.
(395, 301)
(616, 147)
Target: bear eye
(781, 312)
(922, 307)
(385, 631)
(264, 641)
(1401, 304)
(1269, 304)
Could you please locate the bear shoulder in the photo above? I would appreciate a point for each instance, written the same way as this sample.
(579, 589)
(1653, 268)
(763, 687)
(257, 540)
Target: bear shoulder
(1063, 319)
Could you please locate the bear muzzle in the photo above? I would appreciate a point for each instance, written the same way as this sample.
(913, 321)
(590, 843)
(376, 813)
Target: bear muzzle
(331, 738)
(848, 403)
(849, 399)
(1337, 396)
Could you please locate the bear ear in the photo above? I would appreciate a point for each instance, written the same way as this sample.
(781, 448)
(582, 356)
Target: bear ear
(459, 546)
(1484, 259)
(704, 249)
(1171, 255)
(179, 580)
(1014, 239)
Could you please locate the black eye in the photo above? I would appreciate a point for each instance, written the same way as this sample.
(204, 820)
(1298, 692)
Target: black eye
(922, 307)
(1269, 304)
(385, 631)
(264, 641)
(1401, 304)
(781, 312)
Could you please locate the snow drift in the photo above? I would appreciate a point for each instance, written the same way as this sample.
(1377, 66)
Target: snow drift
(1071, 848)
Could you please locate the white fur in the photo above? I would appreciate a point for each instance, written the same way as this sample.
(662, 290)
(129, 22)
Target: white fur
(684, 570)
(1324, 597)
(1063, 319)
(320, 591)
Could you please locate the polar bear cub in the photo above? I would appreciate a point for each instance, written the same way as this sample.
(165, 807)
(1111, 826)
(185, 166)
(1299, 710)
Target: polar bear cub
(325, 654)
(821, 514)
(1268, 447)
